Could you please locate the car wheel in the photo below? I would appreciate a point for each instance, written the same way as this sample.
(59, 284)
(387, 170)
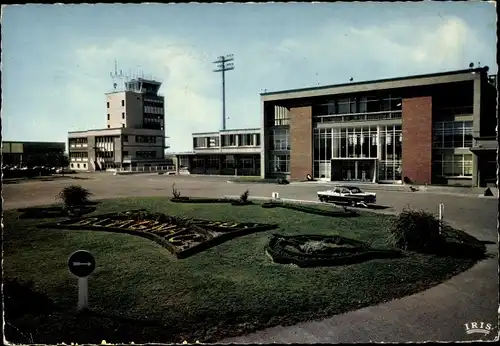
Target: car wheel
(321, 198)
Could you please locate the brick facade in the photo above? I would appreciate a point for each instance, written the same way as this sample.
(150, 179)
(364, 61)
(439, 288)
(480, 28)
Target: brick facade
(417, 139)
(301, 143)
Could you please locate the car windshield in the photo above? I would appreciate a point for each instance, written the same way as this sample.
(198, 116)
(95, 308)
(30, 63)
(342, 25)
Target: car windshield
(355, 190)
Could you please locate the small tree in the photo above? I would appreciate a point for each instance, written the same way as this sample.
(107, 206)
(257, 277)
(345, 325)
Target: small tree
(74, 195)
(176, 193)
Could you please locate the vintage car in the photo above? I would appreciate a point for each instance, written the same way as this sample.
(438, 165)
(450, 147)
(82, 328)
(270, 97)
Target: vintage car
(351, 195)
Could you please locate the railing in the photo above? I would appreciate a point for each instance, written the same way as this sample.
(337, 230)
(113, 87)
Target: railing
(147, 169)
(357, 117)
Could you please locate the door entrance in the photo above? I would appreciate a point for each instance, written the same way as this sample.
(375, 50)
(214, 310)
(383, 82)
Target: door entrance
(353, 170)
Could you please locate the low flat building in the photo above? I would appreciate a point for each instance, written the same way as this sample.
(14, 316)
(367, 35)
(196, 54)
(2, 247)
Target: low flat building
(29, 153)
(134, 135)
(226, 152)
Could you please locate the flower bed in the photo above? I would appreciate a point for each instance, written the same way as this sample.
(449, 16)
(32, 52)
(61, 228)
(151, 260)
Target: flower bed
(183, 237)
(321, 250)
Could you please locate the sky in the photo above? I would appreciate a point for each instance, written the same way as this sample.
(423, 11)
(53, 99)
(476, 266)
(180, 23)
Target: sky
(57, 59)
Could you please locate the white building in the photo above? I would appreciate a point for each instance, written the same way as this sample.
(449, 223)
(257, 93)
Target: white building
(134, 135)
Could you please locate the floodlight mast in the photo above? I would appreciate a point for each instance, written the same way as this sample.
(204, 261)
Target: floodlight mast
(224, 63)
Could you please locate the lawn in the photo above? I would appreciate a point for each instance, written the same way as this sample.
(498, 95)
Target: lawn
(140, 292)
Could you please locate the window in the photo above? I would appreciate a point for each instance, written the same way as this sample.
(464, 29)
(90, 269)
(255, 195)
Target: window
(108, 126)
(72, 165)
(199, 142)
(123, 115)
(84, 165)
(125, 153)
(343, 106)
(449, 134)
(280, 164)
(77, 165)
(108, 106)
(123, 125)
(280, 139)
(125, 138)
(123, 103)
(257, 140)
(229, 140)
(452, 165)
(108, 116)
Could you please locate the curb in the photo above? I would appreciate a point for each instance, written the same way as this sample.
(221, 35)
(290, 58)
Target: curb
(304, 201)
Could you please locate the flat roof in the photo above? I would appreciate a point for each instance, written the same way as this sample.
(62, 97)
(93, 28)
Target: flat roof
(225, 131)
(387, 83)
(34, 142)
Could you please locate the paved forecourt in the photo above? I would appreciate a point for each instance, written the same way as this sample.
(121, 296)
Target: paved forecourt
(436, 314)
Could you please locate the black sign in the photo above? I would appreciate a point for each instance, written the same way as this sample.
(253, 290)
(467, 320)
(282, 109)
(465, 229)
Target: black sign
(81, 263)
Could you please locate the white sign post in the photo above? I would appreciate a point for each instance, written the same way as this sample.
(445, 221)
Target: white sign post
(441, 212)
(275, 195)
(81, 264)
(83, 293)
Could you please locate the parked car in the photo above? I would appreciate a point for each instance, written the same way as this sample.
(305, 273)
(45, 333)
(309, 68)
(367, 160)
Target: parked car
(351, 195)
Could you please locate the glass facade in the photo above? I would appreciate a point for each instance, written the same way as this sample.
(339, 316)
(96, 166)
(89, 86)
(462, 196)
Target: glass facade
(280, 139)
(452, 134)
(362, 108)
(452, 165)
(359, 147)
(279, 164)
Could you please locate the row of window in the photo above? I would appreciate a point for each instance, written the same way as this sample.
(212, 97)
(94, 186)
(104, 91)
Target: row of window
(362, 104)
(452, 165)
(146, 154)
(227, 141)
(153, 110)
(452, 134)
(78, 155)
(358, 143)
(145, 139)
(77, 165)
(82, 140)
(123, 104)
(123, 116)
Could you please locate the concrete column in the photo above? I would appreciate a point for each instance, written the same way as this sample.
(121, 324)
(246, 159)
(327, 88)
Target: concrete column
(475, 171)
(237, 140)
(177, 164)
(254, 139)
(263, 141)
(476, 125)
(379, 147)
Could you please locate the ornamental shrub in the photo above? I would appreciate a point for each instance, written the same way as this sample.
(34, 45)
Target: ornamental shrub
(416, 230)
(74, 195)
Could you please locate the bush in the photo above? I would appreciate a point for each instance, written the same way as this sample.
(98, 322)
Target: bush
(244, 197)
(416, 231)
(74, 195)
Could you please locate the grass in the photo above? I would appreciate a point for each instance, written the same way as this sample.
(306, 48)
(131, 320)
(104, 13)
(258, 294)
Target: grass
(139, 292)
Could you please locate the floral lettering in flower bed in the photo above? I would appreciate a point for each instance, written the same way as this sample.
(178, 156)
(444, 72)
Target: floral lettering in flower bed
(181, 236)
(320, 250)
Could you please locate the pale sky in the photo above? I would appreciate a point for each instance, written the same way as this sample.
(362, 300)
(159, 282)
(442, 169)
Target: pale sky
(57, 59)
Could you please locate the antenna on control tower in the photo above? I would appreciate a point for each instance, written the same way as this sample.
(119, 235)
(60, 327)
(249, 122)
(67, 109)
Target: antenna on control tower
(117, 76)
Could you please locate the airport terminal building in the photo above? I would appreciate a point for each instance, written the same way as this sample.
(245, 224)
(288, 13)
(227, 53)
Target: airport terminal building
(134, 135)
(427, 129)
